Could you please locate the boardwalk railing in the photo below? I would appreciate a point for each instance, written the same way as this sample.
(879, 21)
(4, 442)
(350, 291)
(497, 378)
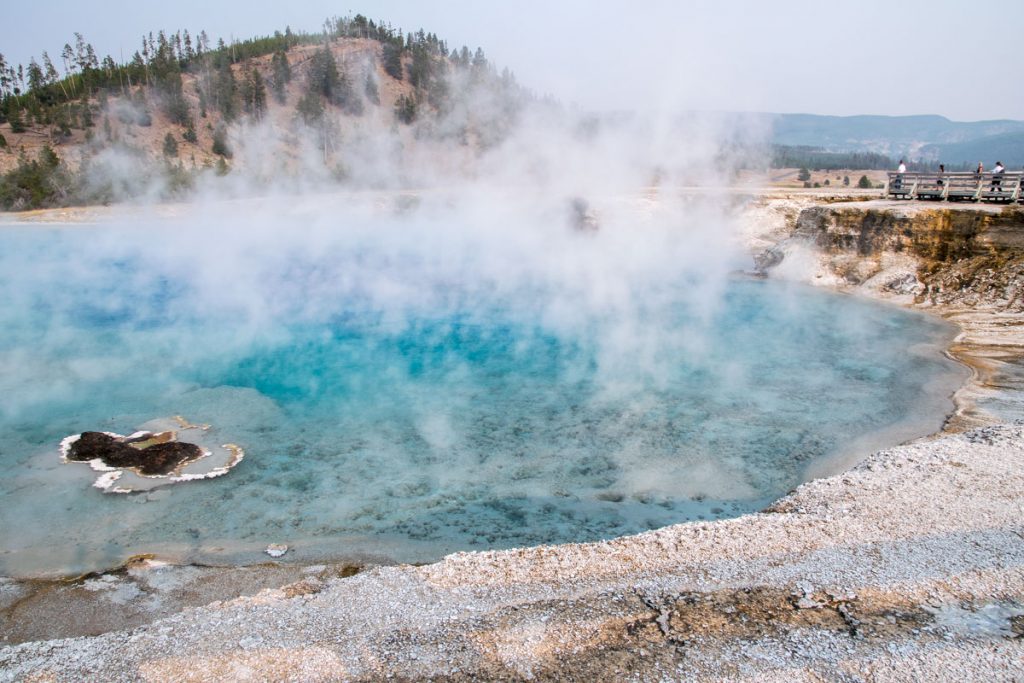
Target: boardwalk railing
(996, 187)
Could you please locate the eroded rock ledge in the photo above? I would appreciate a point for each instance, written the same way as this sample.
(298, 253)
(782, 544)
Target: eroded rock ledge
(953, 256)
(963, 262)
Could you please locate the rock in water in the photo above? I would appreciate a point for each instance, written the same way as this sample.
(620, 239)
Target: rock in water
(152, 456)
(149, 454)
(276, 549)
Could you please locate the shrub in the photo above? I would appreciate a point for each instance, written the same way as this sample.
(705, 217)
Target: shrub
(36, 183)
(864, 183)
(48, 158)
(14, 118)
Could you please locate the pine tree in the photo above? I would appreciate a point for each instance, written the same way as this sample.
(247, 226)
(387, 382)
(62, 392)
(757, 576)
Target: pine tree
(421, 68)
(6, 77)
(281, 75)
(254, 93)
(310, 108)
(167, 82)
(170, 146)
(50, 76)
(393, 60)
(201, 91)
(371, 90)
(479, 60)
(226, 91)
(142, 116)
(324, 79)
(259, 94)
(220, 144)
(86, 113)
(190, 133)
(36, 81)
(439, 95)
(864, 183)
(405, 109)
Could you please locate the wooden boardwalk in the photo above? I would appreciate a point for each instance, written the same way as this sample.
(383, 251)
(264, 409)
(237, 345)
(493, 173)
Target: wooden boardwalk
(972, 187)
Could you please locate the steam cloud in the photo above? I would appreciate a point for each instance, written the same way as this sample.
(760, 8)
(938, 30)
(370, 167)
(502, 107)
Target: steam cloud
(570, 230)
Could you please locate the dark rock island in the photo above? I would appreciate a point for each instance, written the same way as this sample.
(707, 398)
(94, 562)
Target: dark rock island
(149, 454)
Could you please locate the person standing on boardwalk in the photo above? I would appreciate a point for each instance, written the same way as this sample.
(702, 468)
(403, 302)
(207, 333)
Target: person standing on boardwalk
(942, 172)
(900, 170)
(997, 176)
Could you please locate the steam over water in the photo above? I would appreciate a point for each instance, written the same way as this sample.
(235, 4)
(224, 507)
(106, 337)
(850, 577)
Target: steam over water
(410, 380)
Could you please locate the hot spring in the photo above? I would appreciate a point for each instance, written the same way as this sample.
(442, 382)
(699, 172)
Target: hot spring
(411, 381)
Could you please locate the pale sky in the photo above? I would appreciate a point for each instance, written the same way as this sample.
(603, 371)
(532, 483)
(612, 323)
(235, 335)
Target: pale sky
(958, 59)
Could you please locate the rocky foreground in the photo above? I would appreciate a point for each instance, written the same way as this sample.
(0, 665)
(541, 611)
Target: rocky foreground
(910, 566)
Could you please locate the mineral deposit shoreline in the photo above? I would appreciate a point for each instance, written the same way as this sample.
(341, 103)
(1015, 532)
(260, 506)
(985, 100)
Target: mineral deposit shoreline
(908, 566)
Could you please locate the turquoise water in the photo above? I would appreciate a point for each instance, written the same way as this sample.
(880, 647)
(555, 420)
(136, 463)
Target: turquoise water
(397, 403)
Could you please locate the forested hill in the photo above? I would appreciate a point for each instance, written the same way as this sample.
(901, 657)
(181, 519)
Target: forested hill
(291, 105)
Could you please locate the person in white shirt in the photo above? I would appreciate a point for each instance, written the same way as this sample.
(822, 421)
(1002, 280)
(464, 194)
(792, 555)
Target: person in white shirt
(899, 177)
(997, 176)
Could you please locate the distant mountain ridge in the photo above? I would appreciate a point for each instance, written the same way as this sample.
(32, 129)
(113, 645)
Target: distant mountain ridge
(1006, 147)
(926, 137)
